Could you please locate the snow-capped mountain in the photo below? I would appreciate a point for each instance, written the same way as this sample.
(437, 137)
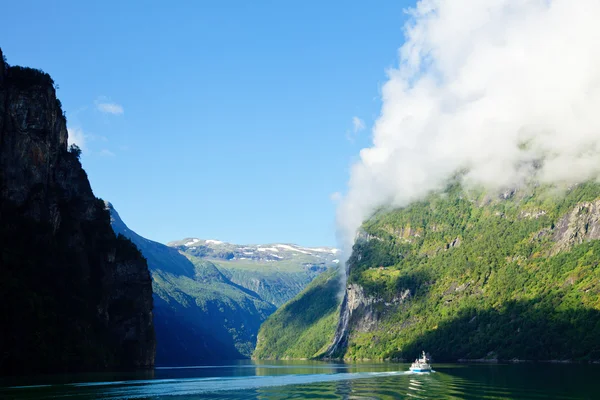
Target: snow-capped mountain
(262, 253)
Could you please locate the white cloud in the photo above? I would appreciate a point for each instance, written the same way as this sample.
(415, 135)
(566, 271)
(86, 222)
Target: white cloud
(77, 137)
(358, 124)
(476, 80)
(106, 153)
(109, 108)
(335, 197)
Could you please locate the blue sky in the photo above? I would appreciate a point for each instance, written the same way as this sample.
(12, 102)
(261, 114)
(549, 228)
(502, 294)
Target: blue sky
(230, 120)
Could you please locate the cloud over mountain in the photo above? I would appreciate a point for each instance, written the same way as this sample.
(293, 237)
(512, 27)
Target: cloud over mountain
(508, 90)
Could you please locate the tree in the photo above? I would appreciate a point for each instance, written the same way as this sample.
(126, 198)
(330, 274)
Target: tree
(75, 150)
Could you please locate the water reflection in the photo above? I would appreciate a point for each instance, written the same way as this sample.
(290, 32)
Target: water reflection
(318, 380)
(268, 368)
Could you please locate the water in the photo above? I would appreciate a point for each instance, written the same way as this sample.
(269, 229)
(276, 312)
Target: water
(318, 380)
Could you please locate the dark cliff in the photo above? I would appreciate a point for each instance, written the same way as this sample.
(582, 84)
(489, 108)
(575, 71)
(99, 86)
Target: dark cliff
(73, 295)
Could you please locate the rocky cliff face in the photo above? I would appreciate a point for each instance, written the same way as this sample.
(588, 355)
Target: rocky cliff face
(580, 225)
(74, 296)
(362, 312)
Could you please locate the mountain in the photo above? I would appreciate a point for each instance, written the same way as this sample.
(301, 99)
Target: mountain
(74, 296)
(304, 326)
(199, 314)
(466, 274)
(276, 272)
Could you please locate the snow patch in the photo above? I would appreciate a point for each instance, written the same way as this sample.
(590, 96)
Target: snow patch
(212, 241)
(290, 248)
(321, 250)
(192, 242)
(307, 250)
(263, 249)
(335, 261)
(285, 246)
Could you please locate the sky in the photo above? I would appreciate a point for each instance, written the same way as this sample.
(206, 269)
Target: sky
(229, 120)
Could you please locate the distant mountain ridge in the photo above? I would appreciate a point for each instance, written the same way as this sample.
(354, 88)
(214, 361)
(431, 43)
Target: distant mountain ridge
(211, 248)
(277, 271)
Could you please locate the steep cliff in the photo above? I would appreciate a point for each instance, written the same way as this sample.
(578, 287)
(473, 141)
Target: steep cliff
(74, 296)
(470, 275)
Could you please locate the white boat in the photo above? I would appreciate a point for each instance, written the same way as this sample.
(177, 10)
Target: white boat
(421, 364)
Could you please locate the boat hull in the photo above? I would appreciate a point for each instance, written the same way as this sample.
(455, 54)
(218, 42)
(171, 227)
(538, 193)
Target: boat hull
(420, 370)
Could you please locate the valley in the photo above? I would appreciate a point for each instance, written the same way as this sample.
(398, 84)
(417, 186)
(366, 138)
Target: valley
(211, 297)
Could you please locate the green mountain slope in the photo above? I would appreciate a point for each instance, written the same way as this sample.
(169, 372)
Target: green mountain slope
(467, 275)
(303, 327)
(199, 314)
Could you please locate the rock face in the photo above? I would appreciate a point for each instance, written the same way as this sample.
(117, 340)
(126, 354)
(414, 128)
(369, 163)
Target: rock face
(74, 296)
(580, 225)
(362, 312)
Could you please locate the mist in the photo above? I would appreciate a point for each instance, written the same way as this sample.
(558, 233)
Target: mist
(487, 86)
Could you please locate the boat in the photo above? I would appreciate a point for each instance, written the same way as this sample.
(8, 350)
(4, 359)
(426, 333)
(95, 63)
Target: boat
(421, 364)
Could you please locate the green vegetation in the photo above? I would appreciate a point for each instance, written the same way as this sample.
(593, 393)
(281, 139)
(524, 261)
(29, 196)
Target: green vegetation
(287, 266)
(303, 327)
(272, 283)
(510, 276)
(483, 277)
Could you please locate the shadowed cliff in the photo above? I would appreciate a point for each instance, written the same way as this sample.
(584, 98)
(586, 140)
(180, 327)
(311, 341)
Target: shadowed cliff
(74, 296)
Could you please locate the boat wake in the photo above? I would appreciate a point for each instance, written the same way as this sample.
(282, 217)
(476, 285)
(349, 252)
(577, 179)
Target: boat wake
(191, 386)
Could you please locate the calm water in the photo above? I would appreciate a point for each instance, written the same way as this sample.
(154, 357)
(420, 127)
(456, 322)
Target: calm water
(316, 380)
